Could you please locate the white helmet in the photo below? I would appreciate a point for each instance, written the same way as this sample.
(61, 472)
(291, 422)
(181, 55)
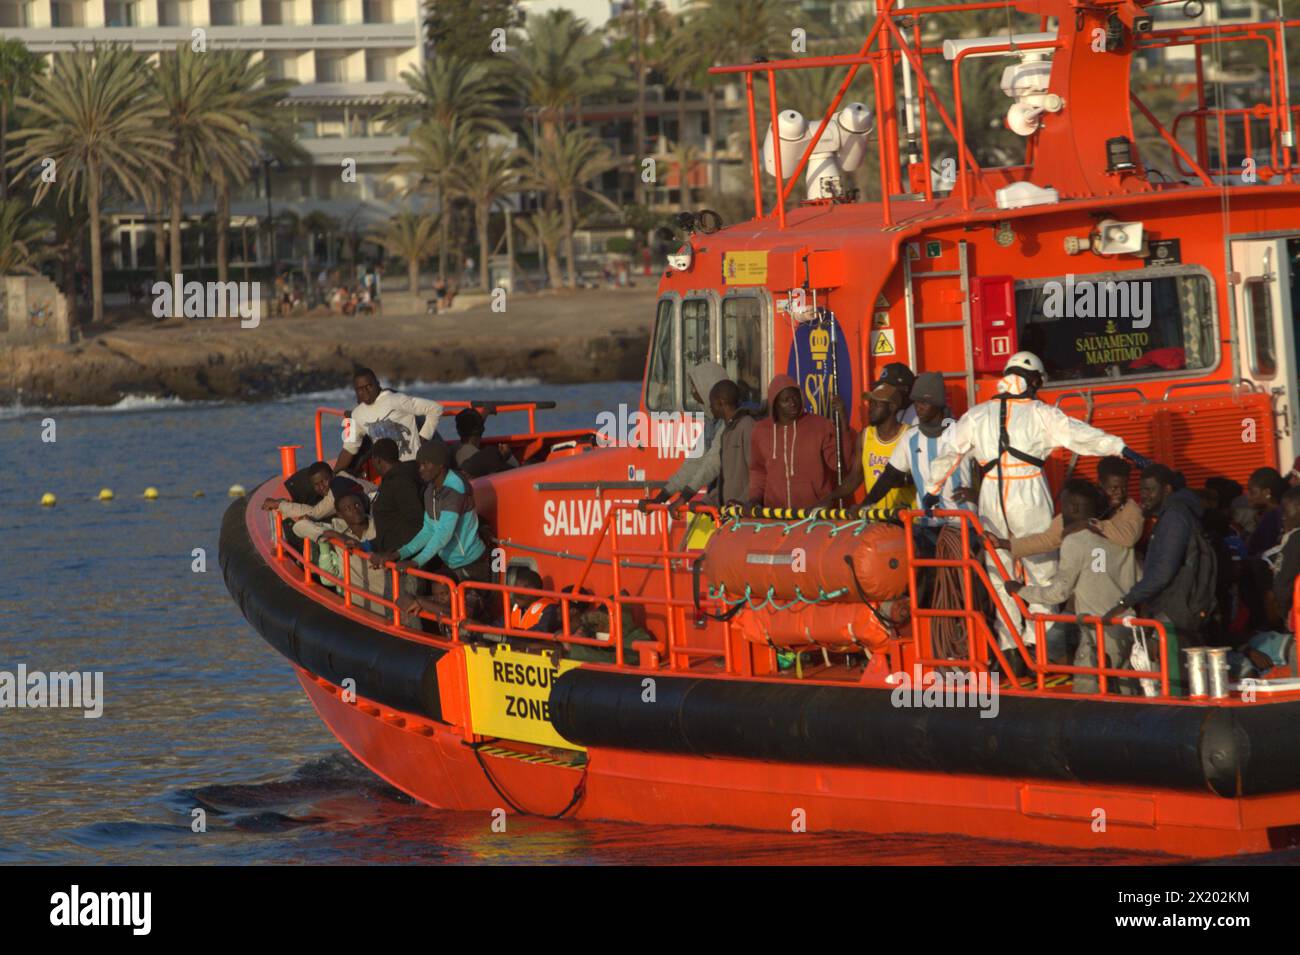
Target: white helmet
(1025, 361)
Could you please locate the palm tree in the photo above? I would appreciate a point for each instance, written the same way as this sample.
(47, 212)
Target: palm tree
(445, 89)
(559, 65)
(735, 31)
(208, 125)
(434, 154)
(413, 238)
(685, 65)
(563, 166)
(257, 94)
(94, 116)
(546, 228)
(684, 156)
(490, 174)
(638, 37)
(18, 234)
(68, 226)
(19, 67)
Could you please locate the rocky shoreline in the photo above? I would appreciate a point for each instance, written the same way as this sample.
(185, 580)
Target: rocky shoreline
(599, 335)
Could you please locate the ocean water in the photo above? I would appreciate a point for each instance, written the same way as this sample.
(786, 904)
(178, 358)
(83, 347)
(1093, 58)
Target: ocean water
(201, 714)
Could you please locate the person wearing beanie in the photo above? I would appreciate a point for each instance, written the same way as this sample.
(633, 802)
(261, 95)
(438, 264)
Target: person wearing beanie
(912, 458)
(450, 530)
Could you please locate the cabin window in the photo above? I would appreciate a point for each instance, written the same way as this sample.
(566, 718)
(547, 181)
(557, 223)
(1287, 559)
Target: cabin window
(697, 345)
(661, 384)
(742, 345)
(1263, 353)
(1118, 324)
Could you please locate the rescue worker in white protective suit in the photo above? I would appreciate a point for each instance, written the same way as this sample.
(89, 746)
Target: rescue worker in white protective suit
(1010, 437)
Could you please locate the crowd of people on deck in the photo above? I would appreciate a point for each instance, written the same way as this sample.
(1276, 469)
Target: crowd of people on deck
(1215, 567)
(420, 514)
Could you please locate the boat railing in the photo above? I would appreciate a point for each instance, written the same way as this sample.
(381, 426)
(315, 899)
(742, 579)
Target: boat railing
(498, 407)
(1248, 117)
(896, 39)
(565, 599)
(355, 597)
(980, 641)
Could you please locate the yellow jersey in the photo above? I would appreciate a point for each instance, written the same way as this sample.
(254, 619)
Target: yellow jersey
(875, 455)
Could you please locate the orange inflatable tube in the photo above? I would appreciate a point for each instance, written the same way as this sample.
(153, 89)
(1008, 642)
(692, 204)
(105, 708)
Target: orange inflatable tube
(837, 626)
(786, 562)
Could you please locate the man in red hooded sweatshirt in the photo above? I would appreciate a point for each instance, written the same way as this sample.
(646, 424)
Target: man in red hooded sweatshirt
(792, 452)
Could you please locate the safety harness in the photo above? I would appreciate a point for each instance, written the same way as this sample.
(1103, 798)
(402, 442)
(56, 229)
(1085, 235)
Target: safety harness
(1005, 447)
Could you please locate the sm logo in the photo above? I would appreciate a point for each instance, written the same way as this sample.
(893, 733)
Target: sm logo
(819, 361)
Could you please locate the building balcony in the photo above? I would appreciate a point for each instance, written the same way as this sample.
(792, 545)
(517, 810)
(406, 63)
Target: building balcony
(331, 151)
(352, 36)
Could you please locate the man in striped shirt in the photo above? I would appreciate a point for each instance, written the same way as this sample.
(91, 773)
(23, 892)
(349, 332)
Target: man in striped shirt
(912, 459)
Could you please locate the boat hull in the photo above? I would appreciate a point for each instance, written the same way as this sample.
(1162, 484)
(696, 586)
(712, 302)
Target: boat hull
(401, 706)
(434, 763)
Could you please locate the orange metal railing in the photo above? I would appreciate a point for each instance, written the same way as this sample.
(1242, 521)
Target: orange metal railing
(673, 563)
(979, 636)
(1248, 117)
(887, 46)
(530, 407)
(459, 626)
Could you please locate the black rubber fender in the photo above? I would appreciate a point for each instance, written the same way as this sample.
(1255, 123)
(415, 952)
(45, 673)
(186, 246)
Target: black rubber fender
(1230, 751)
(398, 673)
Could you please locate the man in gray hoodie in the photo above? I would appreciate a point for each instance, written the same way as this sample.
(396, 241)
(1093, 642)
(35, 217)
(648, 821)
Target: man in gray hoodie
(722, 453)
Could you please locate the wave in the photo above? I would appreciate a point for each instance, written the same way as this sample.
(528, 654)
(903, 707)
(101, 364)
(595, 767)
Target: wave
(126, 404)
(133, 403)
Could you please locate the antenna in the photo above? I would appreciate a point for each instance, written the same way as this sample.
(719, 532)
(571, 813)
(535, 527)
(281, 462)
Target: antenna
(1288, 133)
(909, 106)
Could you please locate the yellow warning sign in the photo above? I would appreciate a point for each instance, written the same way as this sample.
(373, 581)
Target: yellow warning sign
(881, 301)
(880, 320)
(509, 692)
(744, 268)
(882, 342)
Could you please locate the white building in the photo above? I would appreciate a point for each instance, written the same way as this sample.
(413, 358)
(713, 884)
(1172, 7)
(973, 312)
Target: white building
(346, 55)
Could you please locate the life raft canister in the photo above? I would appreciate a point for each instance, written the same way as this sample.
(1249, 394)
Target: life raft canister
(784, 563)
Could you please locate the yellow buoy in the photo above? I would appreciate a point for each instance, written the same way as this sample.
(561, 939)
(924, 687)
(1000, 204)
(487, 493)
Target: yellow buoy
(236, 490)
(48, 499)
(151, 494)
(105, 494)
(198, 493)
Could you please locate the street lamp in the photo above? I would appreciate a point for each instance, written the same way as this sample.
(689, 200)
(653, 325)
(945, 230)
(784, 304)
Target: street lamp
(267, 161)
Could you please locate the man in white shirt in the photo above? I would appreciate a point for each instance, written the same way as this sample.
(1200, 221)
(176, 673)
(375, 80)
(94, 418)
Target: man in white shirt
(381, 413)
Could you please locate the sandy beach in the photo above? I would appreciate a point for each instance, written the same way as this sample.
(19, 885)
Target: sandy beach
(588, 335)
